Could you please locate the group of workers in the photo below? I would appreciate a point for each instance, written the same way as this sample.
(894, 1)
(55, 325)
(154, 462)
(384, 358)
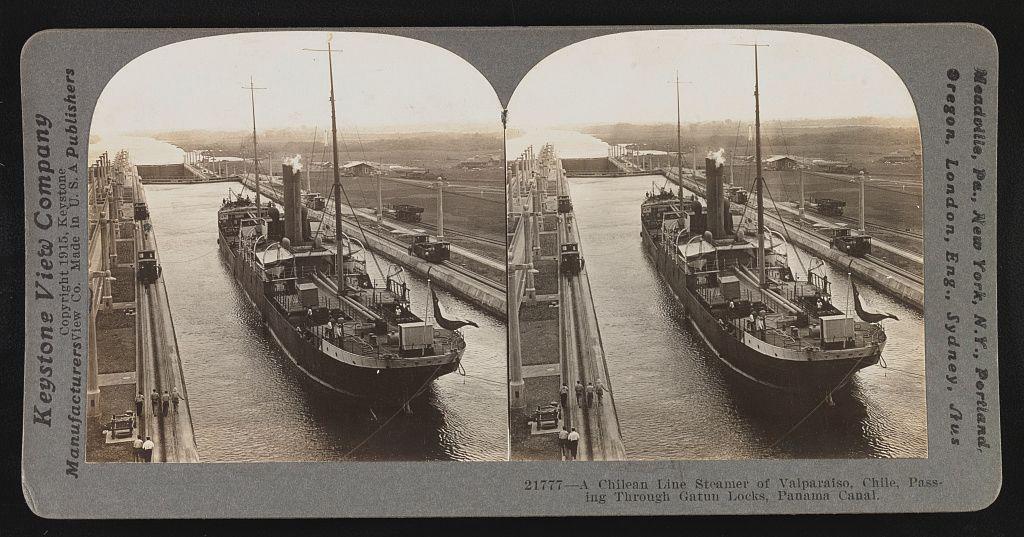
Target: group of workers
(569, 443)
(143, 449)
(585, 395)
(334, 330)
(569, 440)
(161, 403)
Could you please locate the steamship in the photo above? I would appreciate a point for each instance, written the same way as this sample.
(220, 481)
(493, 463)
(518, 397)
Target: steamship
(742, 297)
(343, 329)
(361, 339)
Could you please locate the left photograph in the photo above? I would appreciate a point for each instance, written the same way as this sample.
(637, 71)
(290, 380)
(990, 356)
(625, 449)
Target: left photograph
(296, 253)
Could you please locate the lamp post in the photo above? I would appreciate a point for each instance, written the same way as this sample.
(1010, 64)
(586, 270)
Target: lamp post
(97, 282)
(516, 385)
(533, 239)
(801, 172)
(863, 227)
(380, 199)
(440, 208)
(114, 213)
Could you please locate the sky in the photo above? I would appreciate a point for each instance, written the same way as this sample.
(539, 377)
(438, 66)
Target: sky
(394, 84)
(380, 81)
(629, 78)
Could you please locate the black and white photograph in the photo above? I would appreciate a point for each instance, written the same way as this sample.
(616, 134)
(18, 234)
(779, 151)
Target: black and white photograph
(715, 251)
(297, 254)
(389, 271)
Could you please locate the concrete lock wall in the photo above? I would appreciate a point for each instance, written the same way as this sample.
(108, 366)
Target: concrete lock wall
(911, 295)
(491, 302)
(588, 165)
(164, 173)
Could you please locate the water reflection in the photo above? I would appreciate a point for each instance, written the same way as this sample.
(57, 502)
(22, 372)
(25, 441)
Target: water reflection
(676, 400)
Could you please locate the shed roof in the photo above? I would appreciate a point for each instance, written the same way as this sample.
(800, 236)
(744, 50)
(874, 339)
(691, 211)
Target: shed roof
(355, 163)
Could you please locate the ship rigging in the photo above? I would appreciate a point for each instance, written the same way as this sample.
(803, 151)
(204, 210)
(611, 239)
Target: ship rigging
(773, 328)
(342, 328)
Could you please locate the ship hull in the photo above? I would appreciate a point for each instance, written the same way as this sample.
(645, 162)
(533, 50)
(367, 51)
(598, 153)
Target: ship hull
(378, 383)
(761, 367)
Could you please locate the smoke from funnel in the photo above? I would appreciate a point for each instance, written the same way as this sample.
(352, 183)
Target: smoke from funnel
(717, 156)
(295, 163)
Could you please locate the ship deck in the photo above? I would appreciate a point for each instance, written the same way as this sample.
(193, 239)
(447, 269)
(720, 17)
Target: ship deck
(780, 327)
(350, 326)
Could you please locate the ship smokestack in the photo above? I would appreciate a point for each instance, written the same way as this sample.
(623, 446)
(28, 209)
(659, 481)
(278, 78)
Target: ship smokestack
(291, 182)
(714, 194)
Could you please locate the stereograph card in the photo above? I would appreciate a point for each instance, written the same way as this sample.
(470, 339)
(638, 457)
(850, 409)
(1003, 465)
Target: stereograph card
(395, 272)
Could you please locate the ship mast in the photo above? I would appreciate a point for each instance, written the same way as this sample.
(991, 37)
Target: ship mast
(759, 178)
(255, 160)
(339, 241)
(679, 142)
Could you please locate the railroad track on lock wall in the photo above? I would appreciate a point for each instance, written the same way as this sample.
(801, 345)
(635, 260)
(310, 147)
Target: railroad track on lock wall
(456, 233)
(156, 371)
(882, 227)
(483, 280)
(578, 364)
(894, 268)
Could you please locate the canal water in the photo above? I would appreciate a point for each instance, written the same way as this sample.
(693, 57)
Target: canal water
(250, 403)
(675, 399)
(568, 144)
(143, 149)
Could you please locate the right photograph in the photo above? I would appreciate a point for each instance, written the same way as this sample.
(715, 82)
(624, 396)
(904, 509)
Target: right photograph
(715, 251)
